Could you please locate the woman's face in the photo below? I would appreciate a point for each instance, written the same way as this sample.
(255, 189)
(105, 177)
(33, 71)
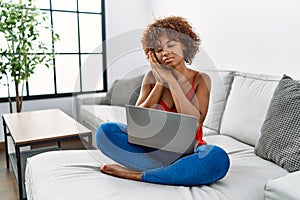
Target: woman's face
(169, 52)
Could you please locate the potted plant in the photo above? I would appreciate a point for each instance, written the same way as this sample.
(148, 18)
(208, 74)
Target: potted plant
(22, 50)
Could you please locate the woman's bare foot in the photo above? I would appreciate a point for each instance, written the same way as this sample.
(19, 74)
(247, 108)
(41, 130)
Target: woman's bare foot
(121, 172)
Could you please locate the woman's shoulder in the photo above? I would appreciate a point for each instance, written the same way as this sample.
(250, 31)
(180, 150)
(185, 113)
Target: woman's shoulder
(200, 76)
(202, 79)
(149, 74)
(149, 78)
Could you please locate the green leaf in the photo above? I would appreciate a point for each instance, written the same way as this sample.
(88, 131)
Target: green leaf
(19, 24)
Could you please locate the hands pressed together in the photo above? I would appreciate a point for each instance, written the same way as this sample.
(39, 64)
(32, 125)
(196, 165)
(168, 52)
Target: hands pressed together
(162, 73)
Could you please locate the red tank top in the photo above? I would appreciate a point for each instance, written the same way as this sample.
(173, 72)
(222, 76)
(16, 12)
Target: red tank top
(190, 94)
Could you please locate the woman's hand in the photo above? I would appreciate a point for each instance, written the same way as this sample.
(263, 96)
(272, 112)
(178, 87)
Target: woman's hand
(161, 73)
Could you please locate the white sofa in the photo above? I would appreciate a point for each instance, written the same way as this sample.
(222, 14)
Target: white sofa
(238, 106)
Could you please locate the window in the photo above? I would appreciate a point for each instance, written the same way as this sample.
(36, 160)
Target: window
(79, 64)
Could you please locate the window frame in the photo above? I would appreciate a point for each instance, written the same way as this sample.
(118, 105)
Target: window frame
(27, 96)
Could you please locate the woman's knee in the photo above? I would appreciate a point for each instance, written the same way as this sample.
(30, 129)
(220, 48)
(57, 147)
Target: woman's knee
(105, 131)
(223, 161)
(109, 132)
(212, 151)
(216, 158)
(101, 131)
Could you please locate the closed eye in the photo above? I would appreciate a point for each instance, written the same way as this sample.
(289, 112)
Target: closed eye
(158, 50)
(171, 45)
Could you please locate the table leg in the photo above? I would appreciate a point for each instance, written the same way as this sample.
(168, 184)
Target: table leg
(90, 142)
(6, 144)
(19, 168)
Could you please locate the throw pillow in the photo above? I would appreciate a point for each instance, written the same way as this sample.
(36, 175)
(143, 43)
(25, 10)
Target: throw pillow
(124, 91)
(220, 87)
(247, 105)
(280, 134)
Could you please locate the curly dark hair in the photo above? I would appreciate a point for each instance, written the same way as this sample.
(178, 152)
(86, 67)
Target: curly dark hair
(175, 28)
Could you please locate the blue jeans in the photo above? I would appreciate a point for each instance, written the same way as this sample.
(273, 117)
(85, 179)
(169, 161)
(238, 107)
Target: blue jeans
(206, 165)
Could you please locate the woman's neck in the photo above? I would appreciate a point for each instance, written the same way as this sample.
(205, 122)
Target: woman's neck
(181, 72)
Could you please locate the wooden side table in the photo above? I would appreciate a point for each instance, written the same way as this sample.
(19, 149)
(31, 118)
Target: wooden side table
(38, 127)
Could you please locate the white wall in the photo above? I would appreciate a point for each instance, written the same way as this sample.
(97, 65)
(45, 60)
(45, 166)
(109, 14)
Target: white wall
(126, 21)
(259, 36)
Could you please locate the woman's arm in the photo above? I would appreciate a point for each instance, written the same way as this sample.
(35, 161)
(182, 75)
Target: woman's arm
(149, 97)
(199, 105)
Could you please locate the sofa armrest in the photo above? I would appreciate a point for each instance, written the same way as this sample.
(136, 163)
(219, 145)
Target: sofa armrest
(285, 187)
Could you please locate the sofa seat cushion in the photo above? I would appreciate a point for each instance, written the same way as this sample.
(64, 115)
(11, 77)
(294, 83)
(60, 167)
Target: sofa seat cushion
(94, 115)
(247, 105)
(75, 175)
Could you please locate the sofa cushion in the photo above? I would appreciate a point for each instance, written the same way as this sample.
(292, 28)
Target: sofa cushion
(247, 105)
(284, 187)
(220, 86)
(124, 91)
(280, 134)
(94, 115)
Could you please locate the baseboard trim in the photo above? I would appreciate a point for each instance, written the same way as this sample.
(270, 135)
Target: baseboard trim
(2, 146)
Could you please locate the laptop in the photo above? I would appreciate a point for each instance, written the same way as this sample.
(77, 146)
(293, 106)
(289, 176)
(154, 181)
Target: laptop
(160, 129)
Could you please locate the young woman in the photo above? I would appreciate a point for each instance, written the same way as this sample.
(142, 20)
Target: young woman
(169, 44)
